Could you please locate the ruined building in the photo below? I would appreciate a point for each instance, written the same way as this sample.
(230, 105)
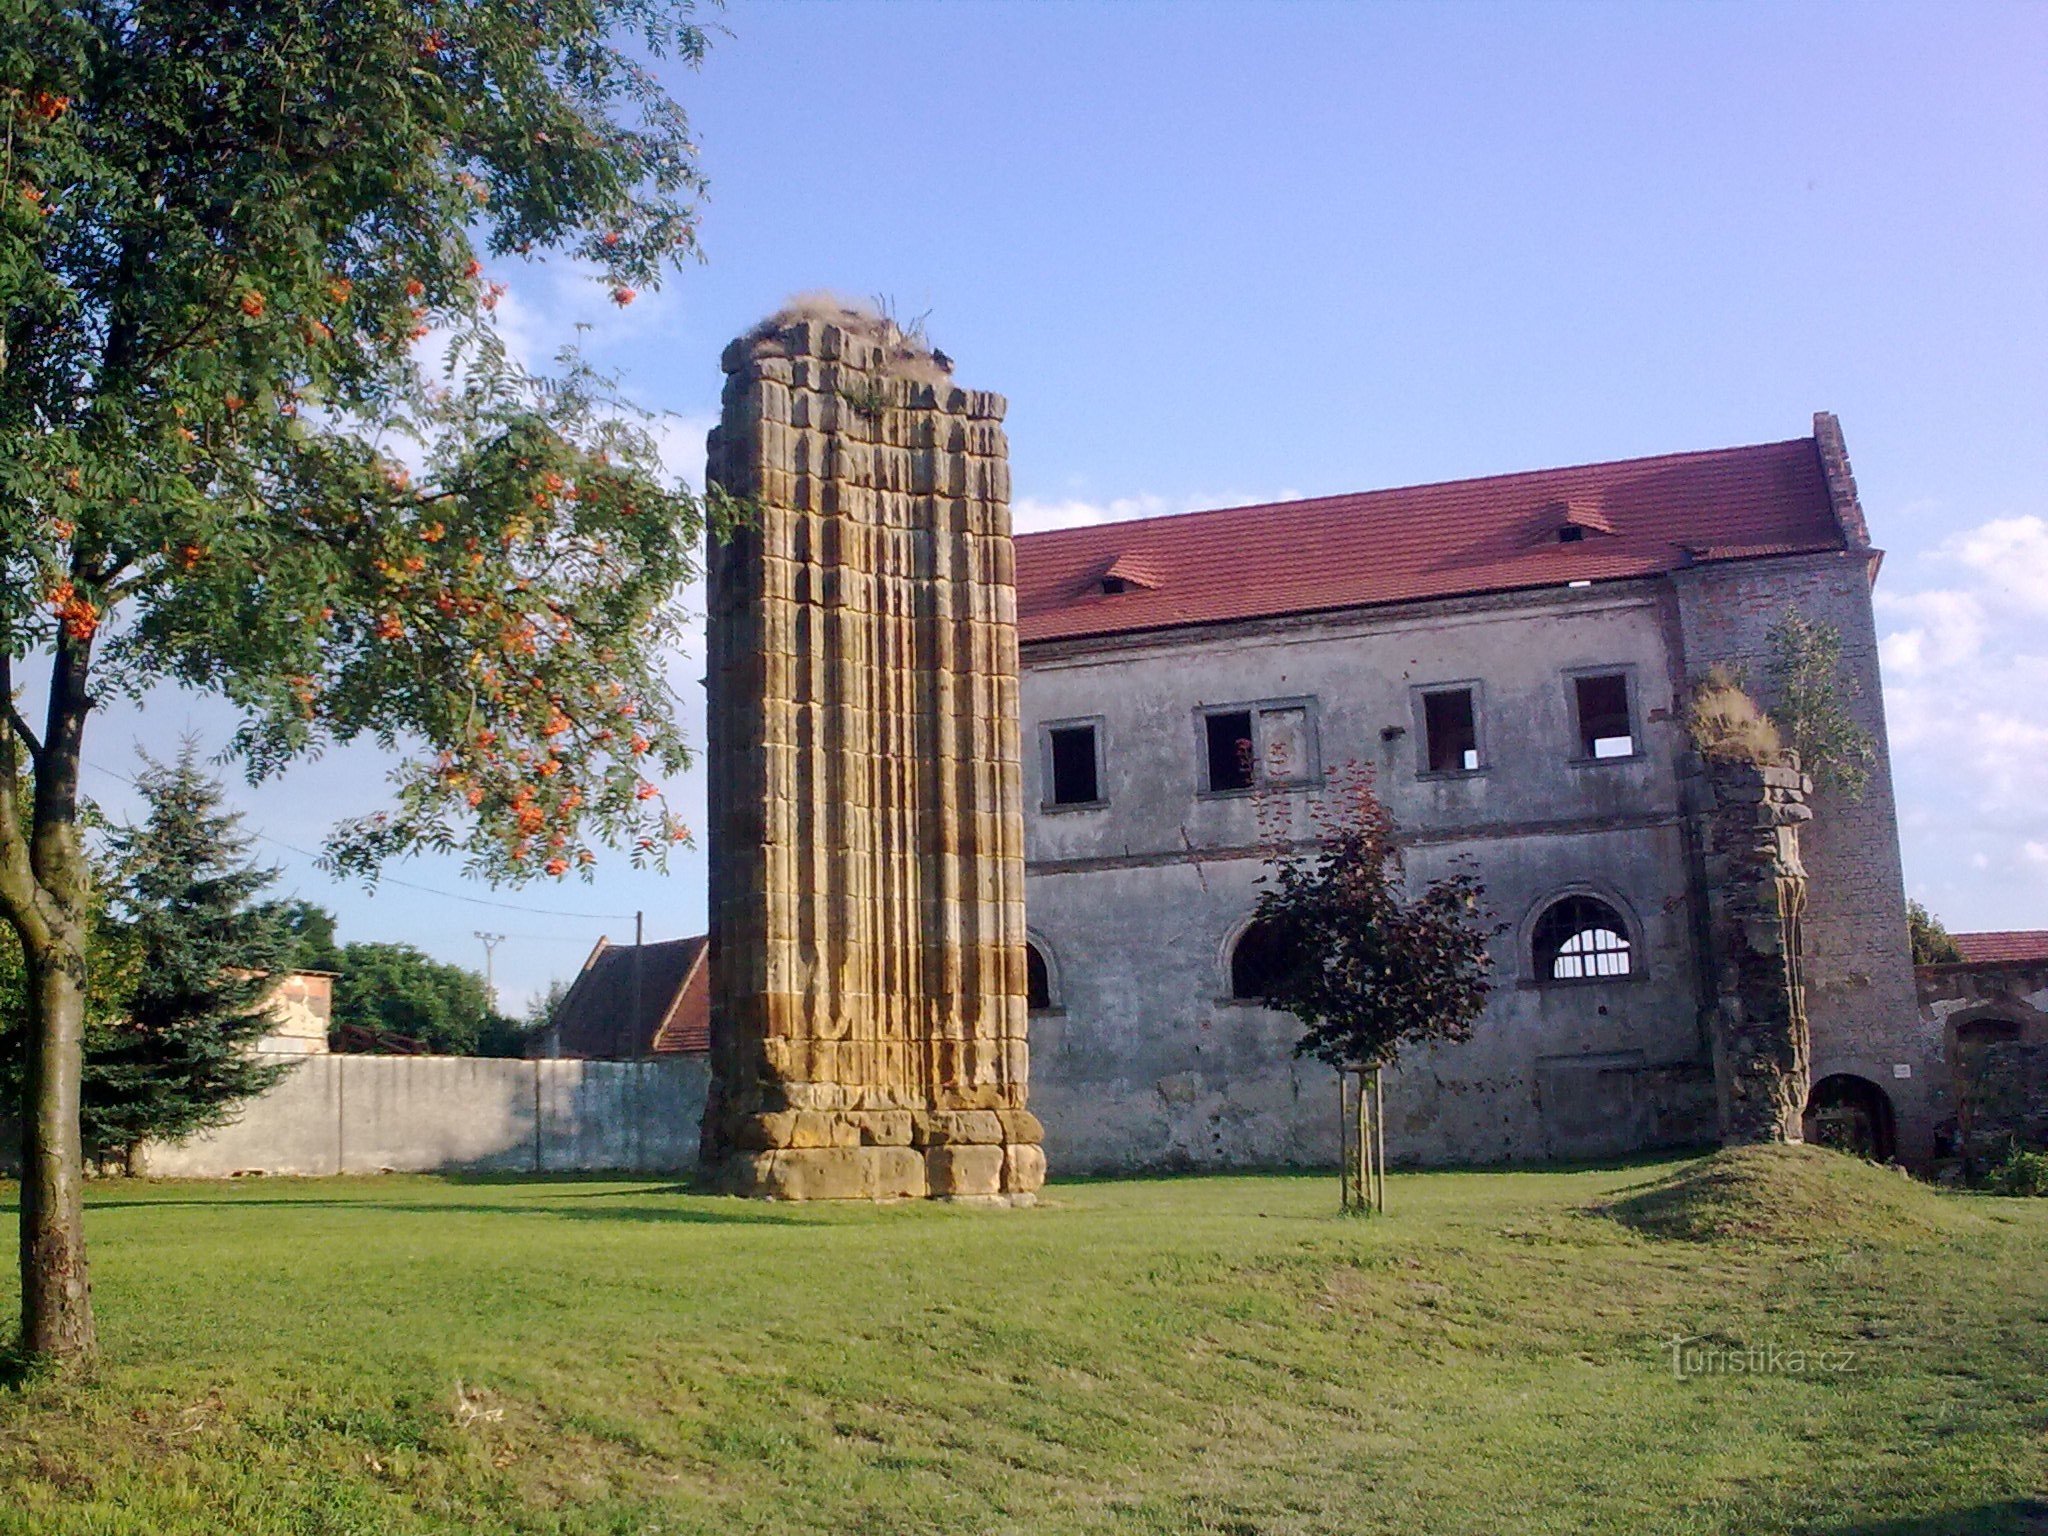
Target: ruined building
(867, 962)
(1511, 655)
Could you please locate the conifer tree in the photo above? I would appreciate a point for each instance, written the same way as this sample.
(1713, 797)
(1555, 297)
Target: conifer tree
(206, 960)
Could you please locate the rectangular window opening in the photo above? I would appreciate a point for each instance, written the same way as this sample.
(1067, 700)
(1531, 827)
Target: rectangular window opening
(1231, 757)
(1452, 726)
(1072, 750)
(1604, 727)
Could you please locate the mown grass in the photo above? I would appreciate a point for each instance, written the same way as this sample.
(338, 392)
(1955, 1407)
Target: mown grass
(1179, 1355)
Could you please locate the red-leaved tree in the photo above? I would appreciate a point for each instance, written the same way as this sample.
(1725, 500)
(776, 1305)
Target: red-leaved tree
(1368, 968)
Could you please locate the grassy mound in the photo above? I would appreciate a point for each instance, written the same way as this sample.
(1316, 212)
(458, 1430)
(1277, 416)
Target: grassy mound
(1784, 1195)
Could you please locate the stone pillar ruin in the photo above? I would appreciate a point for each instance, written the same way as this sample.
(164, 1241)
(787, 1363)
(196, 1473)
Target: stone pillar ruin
(866, 827)
(1745, 823)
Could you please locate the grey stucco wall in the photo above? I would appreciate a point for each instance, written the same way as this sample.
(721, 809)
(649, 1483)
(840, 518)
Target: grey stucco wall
(424, 1114)
(1860, 997)
(1145, 1063)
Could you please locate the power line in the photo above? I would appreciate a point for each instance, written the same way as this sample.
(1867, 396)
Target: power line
(412, 885)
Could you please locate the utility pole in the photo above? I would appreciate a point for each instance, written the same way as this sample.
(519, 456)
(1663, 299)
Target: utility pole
(640, 1041)
(491, 943)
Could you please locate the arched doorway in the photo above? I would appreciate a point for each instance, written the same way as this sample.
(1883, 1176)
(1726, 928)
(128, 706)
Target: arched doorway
(1851, 1114)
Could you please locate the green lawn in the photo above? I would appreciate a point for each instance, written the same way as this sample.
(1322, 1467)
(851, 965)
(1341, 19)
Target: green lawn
(1200, 1354)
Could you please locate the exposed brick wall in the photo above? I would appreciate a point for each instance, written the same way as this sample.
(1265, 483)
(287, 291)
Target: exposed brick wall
(1999, 1090)
(1859, 971)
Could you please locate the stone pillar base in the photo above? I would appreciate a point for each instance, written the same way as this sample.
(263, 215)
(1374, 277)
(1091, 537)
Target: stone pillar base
(982, 1156)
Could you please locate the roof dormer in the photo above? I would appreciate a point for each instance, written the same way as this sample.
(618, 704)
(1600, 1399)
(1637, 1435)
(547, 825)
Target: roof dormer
(1573, 520)
(1123, 574)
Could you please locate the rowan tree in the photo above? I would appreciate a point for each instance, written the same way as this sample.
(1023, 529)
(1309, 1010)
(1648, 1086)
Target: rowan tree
(225, 232)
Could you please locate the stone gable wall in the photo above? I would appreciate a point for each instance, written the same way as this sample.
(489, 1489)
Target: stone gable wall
(1861, 1007)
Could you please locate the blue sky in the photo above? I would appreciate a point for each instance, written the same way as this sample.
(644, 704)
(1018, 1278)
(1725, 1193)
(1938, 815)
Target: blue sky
(1227, 253)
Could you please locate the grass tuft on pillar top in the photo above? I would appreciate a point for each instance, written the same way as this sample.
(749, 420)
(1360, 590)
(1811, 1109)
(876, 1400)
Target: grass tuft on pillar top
(234, 242)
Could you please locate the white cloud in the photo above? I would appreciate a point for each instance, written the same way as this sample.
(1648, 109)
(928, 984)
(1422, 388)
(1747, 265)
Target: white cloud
(2011, 554)
(1966, 698)
(1035, 514)
(1945, 628)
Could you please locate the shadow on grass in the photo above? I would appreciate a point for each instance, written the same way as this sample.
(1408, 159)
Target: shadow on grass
(733, 1213)
(2017, 1517)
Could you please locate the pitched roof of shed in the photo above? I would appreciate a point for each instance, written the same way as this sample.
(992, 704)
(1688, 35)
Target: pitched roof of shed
(2005, 946)
(1456, 538)
(595, 1017)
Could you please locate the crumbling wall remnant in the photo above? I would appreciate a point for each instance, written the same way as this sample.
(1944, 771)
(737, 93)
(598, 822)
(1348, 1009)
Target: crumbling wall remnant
(866, 812)
(1746, 819)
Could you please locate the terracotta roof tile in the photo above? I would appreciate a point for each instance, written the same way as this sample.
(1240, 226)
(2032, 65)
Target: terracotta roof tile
(2008, 946)
(1446, 540)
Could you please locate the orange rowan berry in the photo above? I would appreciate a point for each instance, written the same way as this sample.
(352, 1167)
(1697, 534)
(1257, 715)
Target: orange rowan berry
(253, 304)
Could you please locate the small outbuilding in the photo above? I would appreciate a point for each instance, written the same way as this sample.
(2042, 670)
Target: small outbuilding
(632, 1001)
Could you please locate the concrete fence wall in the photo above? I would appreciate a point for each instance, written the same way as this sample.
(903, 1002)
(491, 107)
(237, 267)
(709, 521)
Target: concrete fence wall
(432, 1114)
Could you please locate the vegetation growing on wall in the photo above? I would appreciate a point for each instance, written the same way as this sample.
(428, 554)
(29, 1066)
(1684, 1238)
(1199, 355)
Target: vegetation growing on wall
(1728, 725)
(1811, 693)
(1931, 942)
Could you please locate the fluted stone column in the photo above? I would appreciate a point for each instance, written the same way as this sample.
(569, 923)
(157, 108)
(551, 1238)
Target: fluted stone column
(1746, 822)
(866, 821)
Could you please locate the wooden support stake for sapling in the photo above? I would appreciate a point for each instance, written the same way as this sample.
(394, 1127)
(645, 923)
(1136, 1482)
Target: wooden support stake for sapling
(1379, 1131)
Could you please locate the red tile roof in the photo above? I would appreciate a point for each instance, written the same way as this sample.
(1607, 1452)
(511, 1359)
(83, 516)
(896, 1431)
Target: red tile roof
(1634, 517)
(2007, 946)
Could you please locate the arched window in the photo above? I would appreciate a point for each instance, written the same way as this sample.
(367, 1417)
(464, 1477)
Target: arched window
(1990, 1030)
(1257, 961)
(1581, 938)
(1037, 979)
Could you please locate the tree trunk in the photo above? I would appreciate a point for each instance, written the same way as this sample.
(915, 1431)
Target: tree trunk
(45, 890)
(56, 1295)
